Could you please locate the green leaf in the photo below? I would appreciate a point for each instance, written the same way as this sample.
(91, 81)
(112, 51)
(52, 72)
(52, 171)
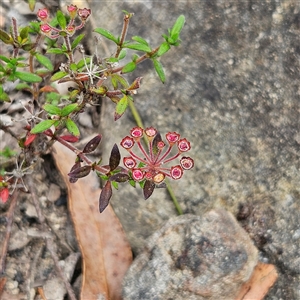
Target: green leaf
(5, 38)
(106, 34)
(77, 40)
(28, 77)
(52, 109)
(31, 4)
(23, 86)
(3, 96)
(61, 19)
(138, 47)
(122, 54)
(140, 40)
(5, 59)
(176, 29)
(115, 78)
(45, 61)
(164, 47)
(68, 109)
(58, 75)
(121, 107)
(115, 184)
(129, 67)
(42, 126)
(159, 70)
(55, 51)
(72, 127)
(28, 47)
(24, 33)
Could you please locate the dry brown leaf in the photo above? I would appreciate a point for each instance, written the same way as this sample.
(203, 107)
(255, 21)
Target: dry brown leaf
(262, 279)
(105, 250)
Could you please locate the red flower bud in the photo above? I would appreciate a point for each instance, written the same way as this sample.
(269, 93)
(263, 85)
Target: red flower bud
(43, 14)
(83, 13)
(172, 137)
(187, 163)
(72, 9)
(129, 162)
(151, 132)
(137, 175)
(45, 28)
(184, 145)
(127, 142)
(176, 172)
(136, 132)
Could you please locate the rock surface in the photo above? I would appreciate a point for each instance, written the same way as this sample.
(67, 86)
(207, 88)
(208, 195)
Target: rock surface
(193, 257)
(232, 89)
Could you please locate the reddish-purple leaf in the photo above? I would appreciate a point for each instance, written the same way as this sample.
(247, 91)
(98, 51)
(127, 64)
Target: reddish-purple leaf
(119, 177)
(80, 172)
(70, 138)
(105, 196)
(115, 158)
(148, 189)
(92, 144)
(75, 166)
(29, 139)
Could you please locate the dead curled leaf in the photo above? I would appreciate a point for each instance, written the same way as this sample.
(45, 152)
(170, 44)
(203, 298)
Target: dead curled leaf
(261, 280)
(105, 250)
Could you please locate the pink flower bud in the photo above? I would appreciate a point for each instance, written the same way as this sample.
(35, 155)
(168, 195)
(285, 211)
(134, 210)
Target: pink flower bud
(45, 28)
(84, 13)
(161, 145)
(151, 132)
(172, 137)
(127, 142)
(136, 132)
(70, 29)
(158, 178)
(137, 175)
(129, 162)
(72, 9)
(187, 163)
(43, 14)
(176, 172)
(184, 145)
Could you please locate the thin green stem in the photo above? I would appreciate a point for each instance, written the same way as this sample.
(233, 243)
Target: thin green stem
(139, 123)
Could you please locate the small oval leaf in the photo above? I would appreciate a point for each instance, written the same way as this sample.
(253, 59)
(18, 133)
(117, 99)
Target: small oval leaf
(148, 189)
(106, 34)
(58, 75)
(72, 127)
(45, 61)
(68, 109)
(28, 77)
(42, 126)
(119, 177)
(92, 144)
(138, 47)
(159, 70)
(129, 67)
(115, 158)
(121, 107)
(80, 172)
(105, 196)
(52, 109)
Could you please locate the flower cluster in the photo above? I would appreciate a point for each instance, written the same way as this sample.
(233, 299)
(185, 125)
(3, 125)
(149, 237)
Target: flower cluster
(70, 28)
(150, 165)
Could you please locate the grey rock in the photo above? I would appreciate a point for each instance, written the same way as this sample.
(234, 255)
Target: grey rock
(193, 257)
(233, 90)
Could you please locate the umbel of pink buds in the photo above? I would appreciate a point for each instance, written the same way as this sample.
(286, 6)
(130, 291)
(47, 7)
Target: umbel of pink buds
(53, 32)
(150, 163)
